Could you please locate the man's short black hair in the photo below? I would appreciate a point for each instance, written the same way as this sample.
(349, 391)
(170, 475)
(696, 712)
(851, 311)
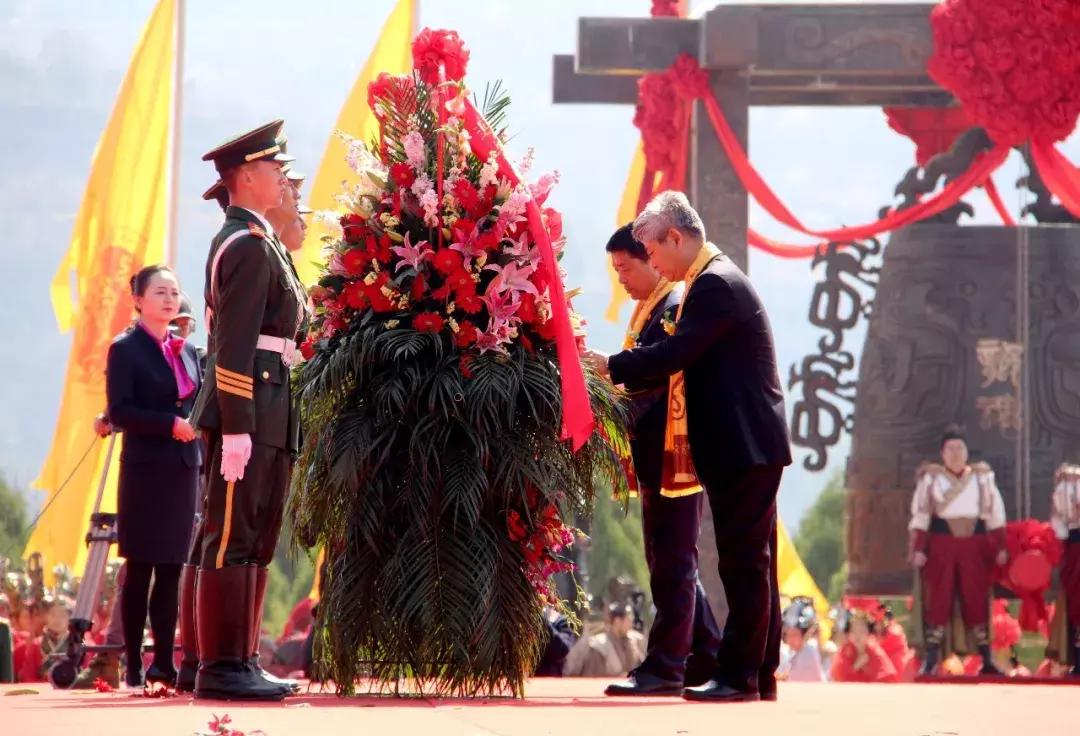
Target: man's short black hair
(953, 432)
(623, 240)
(618, 610)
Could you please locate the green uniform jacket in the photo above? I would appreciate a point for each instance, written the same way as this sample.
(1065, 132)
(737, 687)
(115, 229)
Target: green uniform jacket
(255, 291)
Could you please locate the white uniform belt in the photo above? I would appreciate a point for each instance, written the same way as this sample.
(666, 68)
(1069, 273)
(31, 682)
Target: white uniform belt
(281, 345)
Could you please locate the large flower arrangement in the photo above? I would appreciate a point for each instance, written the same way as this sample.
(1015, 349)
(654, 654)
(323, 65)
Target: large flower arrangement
(433, 468)
(1013, 64)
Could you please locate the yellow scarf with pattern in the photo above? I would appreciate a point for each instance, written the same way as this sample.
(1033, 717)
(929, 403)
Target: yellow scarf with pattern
(678, 477)
(638, 321)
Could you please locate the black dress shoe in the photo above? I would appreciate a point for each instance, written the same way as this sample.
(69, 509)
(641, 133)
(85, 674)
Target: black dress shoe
(699, 669)
(160, 676)
(644, 684)
(715, 692)
(767, 688)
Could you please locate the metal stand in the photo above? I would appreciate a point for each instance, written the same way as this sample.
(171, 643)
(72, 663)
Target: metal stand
(100, 538)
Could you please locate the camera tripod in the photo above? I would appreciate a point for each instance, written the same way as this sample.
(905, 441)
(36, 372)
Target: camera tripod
(100, 538)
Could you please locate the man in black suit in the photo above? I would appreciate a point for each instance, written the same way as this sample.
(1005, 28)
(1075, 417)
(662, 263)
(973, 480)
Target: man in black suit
(722, 348)
(684, 625)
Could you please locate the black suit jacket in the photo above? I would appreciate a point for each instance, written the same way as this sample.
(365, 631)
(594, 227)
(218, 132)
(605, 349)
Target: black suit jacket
(143, 400)
(724, 346)
(648, 400)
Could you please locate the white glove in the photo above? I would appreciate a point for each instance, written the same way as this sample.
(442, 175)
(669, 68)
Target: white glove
(235, 453)
(918, 559)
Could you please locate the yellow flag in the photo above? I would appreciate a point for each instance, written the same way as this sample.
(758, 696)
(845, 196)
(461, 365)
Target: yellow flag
(627, 212)
(795, 579)
(121, 226)
(392, 54)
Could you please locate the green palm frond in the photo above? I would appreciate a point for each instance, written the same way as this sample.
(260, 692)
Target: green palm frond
(407, 474)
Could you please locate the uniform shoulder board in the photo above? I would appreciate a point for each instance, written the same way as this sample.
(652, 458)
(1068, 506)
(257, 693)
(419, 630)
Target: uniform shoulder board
(981, 468)
(257, 231)
(1067, 472)
(929, 468)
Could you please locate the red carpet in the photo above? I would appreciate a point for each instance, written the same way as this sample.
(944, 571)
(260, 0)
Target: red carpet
(569, 708)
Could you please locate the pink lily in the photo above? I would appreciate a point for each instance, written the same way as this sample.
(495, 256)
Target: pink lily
(512, 277)
(412, 255)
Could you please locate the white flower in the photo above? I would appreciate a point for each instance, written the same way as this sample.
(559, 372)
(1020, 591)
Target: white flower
(526, 162)
(430, 202)
(543, 185)
(421, 186)
(415, 152)
(330, 220)
(489, 172)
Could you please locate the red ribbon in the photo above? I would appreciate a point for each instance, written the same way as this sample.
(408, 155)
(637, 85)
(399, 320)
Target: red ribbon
(999, 205)
(577, 415)
(1059, 175)
(979, 171)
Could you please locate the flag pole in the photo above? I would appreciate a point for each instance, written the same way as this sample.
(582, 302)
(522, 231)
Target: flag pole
(172, 221)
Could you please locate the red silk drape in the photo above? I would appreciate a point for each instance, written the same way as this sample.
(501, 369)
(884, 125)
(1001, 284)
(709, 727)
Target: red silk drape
(999, 205)
(1059, 174)
(577, 415)
(980, 170)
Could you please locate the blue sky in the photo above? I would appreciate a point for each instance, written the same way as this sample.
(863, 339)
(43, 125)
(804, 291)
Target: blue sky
(248, 61)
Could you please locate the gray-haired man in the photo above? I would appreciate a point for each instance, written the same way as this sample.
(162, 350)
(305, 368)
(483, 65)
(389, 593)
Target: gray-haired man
(732, 437)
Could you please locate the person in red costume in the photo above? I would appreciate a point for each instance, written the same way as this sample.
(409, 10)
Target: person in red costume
(893, 642)
(862, 659)
(957, 535)
(1065, 518)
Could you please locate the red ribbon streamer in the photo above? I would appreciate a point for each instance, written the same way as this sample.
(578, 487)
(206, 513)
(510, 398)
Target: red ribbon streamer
(980, 170)
(782, 250)
(577, 416)
(1059, 175)
(999, 205)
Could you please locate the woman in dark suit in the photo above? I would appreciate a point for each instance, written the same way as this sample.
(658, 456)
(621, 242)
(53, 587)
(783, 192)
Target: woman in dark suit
(152, 380)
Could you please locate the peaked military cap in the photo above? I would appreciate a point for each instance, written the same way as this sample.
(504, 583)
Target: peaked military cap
(218, 191)
(265, 143)
(292, 174)
(185, 307)
(303, 209)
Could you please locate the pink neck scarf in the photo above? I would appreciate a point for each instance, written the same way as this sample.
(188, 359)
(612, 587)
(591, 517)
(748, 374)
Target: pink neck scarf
(171, 348)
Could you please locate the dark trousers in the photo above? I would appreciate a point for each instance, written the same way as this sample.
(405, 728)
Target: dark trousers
(743, 503)
(1070, 582)
(684, 623)
(241, 520)
(162, 602)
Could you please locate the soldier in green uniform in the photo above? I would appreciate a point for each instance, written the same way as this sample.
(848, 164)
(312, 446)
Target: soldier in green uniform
(255, 313)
